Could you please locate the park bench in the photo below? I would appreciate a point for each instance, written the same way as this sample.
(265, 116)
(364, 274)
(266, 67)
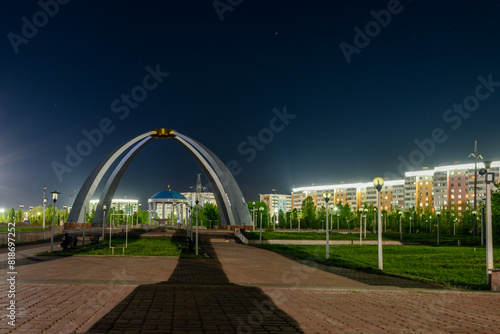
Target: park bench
(95, 239)
(69, 242)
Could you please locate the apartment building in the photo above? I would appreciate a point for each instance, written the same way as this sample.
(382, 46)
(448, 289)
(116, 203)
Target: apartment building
(444, 187)
(277, 202)
(128, 206)
(205, 197)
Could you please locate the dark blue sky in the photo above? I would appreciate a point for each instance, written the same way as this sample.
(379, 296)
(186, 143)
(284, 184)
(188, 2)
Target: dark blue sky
(353, 120)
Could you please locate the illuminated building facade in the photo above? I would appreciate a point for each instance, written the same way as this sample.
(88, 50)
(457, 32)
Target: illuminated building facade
(442, 188)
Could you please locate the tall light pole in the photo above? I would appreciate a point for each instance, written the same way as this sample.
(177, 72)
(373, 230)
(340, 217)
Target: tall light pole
(438, 214)
(253, 215)
(196, 243)
(327, 197)
(103, 220)
(475, 155)
(22, 211)
(260, 234)
(54, 198)
(474, 213)
(44, 204)
(65, 208)
(378, 182)
(360, 226)
(275, 218)
(489, 179)
(482, 225)
(366, 215)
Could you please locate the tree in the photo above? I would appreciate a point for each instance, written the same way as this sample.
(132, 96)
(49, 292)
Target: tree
(12, 215)
(346, 213)
(281, 219)
(321, 218)
(208, 214)
(308, 212)
(265, 214)
(19, 215)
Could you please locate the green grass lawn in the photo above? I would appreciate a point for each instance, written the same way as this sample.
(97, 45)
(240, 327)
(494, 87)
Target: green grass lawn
(137, 246)
(414, 237)
(462, 267)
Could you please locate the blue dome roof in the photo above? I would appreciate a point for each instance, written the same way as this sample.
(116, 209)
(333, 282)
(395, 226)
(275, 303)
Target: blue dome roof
(168, 194)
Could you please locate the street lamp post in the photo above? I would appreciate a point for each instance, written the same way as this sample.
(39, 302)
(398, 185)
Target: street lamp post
(489, 179)
(474, 213)
(360, 226)
(378, 182)
(54, 198)
(438, 214)
(65, 209)
(253, 215)
(260, 234)
(31, 214)
(103, 220)
(21, 206)
(482, 226)
(196, 243)
(327, 197)
(44, 204)
(138, 207)
(275, 218)
(366, 215)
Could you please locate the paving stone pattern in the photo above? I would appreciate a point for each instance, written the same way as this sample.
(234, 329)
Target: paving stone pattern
(239, 289)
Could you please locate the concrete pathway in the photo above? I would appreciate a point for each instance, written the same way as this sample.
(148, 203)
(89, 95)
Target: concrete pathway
(240, 289)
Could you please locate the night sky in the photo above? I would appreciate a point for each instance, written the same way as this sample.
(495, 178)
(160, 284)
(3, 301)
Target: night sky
(351, 101)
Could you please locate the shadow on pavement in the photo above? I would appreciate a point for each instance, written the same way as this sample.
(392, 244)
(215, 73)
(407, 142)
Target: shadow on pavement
(197, 298)
(29, 260)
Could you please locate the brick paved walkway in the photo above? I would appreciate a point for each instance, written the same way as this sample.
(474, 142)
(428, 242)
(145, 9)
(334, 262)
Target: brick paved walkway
(241, 289)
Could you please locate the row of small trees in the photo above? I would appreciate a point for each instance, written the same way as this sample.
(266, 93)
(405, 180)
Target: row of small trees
(343, 217)
(33, 216)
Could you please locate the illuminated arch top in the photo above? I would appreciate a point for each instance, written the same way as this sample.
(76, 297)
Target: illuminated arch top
(230, 201)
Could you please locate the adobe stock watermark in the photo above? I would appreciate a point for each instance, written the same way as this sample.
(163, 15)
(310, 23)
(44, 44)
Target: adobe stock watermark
(454, 116)
(120, 106)
(221, 7)
(250, 147)
(30, 28)
(264, 309)
(104, 296)
(372, 29)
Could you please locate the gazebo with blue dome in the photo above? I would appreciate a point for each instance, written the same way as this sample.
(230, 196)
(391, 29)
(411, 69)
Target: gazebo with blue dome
(167, 202)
